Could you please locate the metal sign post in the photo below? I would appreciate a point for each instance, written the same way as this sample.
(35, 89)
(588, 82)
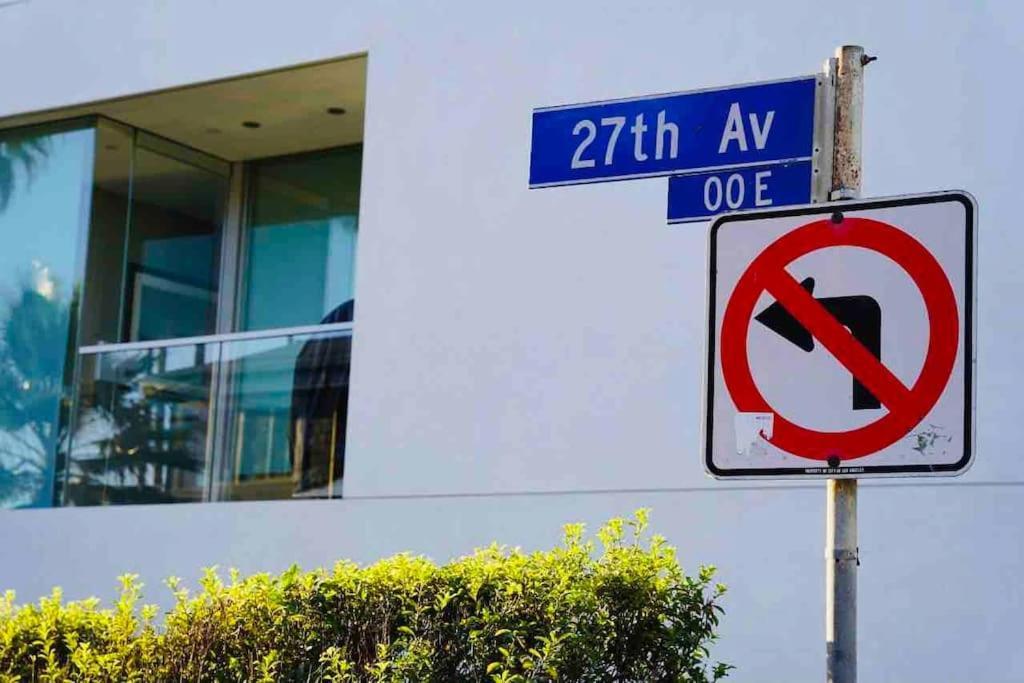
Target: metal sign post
(841, 551)
(785, 282)
(885, 289)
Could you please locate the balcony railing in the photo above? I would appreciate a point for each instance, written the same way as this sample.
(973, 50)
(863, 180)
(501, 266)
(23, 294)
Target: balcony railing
(251, 415)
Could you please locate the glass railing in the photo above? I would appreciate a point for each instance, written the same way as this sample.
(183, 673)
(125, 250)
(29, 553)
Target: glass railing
(247, 416)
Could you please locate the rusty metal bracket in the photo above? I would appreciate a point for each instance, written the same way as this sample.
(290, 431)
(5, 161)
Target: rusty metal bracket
(845, 555)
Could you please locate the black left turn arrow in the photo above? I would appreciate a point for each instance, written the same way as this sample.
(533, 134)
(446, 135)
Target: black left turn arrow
(860, 314)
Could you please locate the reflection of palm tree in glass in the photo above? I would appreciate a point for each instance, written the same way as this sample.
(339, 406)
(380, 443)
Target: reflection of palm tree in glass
(141, 432)
(28, 152)
(31, 371)
(31, 368)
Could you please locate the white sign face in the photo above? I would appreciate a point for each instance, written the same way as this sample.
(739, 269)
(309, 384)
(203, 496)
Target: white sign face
(840, 340)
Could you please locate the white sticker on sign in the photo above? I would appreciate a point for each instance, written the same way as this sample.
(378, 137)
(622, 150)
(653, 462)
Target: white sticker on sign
(752, 430)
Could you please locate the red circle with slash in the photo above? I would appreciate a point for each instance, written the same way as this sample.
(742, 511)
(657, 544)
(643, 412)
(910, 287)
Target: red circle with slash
(906, 406)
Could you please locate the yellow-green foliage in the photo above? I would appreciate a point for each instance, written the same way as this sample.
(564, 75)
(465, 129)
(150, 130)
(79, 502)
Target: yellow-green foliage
(628, 613)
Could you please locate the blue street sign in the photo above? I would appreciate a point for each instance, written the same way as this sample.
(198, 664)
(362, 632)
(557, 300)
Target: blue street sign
(699, 196)
(703, 130)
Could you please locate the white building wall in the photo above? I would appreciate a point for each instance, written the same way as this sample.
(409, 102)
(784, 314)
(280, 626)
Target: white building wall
(531, 343)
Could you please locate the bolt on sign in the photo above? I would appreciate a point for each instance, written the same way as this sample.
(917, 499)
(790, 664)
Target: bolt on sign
(840, 339)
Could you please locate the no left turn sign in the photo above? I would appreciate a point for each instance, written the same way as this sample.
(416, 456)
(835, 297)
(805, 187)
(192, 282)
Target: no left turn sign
(840, 339)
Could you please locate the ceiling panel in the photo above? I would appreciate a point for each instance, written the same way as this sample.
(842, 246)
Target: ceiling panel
(291, 107)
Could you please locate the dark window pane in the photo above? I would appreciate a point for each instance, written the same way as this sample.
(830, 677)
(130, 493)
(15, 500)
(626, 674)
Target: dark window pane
(301, 238)
(173, 245)
(154, 239)
(102, 302)
(285, 415)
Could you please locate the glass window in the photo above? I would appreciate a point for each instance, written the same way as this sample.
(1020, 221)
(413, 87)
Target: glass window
(178, 200)
(301, 239)
(285, 418)
(138, 418)
(108, 221)
(286, 397)
(154, 242)
(110, 254)
(45, 184)
(141, 426)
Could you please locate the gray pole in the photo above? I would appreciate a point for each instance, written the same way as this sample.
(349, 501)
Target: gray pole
(841, 581)
(841, 553)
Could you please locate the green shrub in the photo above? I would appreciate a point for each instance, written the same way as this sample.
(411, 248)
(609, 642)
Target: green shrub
(570, 614)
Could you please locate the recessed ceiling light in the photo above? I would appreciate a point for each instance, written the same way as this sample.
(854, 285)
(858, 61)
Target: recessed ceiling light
(251, 124)
(336, 111)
